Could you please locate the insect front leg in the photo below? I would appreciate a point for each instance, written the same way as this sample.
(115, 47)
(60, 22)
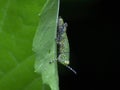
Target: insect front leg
(52, 61)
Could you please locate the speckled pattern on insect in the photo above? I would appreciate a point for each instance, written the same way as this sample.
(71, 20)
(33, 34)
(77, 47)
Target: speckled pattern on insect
(63, 44)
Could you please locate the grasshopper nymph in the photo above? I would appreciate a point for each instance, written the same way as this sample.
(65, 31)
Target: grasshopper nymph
(63, 44)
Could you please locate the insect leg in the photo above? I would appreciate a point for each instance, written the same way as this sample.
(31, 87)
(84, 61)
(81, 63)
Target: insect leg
(71, 69)
(52, 61)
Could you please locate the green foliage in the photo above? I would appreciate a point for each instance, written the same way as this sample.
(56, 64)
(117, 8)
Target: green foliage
(44, 44)
(19, 20)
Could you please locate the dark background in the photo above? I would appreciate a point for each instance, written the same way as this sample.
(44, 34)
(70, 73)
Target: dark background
(89, 40)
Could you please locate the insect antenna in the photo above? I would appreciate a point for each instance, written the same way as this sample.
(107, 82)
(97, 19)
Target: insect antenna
(71, 69)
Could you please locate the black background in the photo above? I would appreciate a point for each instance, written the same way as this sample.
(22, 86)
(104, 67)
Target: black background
(90, 53)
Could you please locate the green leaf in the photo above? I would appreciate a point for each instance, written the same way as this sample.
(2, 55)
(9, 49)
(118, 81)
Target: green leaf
(19, 20)
(44, 44)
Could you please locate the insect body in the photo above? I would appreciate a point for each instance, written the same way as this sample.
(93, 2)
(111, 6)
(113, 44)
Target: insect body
(62, 44)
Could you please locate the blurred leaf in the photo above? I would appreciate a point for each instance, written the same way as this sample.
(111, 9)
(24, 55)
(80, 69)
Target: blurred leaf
(18, 23)
(44, 45)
